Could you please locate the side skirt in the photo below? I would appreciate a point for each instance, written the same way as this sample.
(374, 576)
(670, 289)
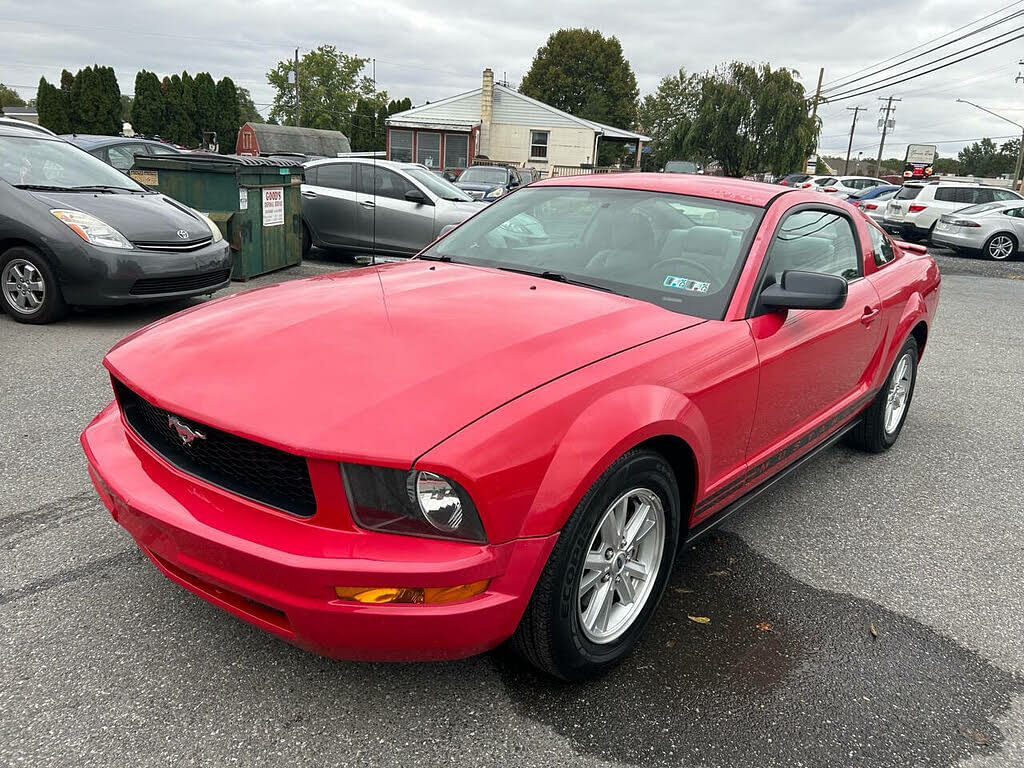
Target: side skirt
(717, 519)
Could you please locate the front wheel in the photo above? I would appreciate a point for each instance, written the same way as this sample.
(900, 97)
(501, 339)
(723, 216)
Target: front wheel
(29, 288)
(1000, 247)
(607, 572)
(883, 420)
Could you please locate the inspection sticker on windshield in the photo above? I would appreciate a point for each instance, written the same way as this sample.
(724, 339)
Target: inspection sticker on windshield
(685, 284)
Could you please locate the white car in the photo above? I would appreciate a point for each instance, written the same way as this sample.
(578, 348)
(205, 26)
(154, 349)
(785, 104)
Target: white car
(844, 186)
(914, 210)
(815, 182)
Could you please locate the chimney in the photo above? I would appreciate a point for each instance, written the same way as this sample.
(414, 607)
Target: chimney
(486, 112)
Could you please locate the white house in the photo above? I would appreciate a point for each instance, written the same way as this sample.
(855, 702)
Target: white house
(504, 126)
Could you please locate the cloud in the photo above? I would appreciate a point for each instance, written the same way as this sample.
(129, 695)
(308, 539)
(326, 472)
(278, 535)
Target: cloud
(428, 51)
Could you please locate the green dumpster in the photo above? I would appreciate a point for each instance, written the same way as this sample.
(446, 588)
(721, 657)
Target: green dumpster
(254, 200)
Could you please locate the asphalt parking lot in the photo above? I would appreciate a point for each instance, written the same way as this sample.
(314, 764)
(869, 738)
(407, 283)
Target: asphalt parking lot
(867, 611)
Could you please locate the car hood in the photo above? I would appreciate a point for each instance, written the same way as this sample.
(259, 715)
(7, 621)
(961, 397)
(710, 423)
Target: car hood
(144, 218)
(377, 364)
(464, 208)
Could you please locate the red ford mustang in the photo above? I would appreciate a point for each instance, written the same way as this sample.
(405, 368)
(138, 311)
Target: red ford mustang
(509, 436)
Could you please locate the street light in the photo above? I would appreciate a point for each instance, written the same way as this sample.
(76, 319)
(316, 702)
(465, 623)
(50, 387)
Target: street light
(1020, 151)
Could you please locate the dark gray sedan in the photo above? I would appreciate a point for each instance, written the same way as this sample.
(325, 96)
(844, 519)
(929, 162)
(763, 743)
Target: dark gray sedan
(120, 151)
(75, 231)
(394, 208)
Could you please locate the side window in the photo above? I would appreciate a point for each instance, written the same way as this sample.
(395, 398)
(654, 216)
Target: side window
(881, 247)
(375, 180)
(122, 157)
(984, 196)
(336, 176)
(160, 149)
(814, 240)
(1017, 213)
(1004, 194)
(948, 194)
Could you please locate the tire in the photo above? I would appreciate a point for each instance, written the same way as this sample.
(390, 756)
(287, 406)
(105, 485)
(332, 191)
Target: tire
(21, 269)
(876, 432)
(1000, 247)
(307, 241)
(554, 635)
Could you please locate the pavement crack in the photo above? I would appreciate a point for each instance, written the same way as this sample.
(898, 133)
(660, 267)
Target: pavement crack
(16, 527)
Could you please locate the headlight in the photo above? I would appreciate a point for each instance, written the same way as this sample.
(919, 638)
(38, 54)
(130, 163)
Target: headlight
(214, 229)
(411, 502)
(91, 229)
(494, 194)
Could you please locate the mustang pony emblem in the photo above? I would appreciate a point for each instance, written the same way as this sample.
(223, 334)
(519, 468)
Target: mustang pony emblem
(187, 434)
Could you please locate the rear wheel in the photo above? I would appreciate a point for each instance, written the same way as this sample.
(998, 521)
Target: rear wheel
(307, 241)
(1000, 247)
(883, 420)
(28, 287)
(607, 572)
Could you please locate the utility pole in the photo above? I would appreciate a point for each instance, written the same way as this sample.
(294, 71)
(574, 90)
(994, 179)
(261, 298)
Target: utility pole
(885, 129)
(814, 112)
(1018, 172)
(849, 147)
(298, 111)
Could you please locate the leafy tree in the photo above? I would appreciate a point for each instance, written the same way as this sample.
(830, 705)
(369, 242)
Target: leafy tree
(229, 118)
(177, 122)
(52, 106)
(584, 73)
(984, 158)
(330, 86)
(247, 112)
(148, 107)
(751, 118)
(666, 116)
(9, 97)
(204, 100)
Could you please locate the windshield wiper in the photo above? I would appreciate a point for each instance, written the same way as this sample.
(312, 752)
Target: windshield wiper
(434, 258)
(43, 187)
(101, 188)
(557, 277)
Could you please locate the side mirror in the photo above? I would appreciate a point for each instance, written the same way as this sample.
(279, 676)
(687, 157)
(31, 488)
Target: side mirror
(415, 196)
(805, 290)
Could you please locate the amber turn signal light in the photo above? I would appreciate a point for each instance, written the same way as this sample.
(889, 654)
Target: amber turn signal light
(408, 595)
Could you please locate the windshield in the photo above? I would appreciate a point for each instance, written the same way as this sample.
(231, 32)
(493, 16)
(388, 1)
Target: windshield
(681, 253)
(680, 166)
(484, 175)
(439, 186)
(41, 162)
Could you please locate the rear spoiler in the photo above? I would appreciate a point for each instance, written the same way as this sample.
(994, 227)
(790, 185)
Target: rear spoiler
(920, 250)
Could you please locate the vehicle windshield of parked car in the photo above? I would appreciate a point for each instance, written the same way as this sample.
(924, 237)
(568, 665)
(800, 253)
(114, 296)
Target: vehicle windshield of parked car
(680, 166)
(681, 253)
(439, 186)
(48, 163)
(484, 175)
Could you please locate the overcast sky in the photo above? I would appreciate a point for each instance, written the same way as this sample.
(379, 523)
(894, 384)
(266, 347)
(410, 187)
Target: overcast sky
(428, 51)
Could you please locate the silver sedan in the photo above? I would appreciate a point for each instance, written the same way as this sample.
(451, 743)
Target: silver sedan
(394, 208)
(996, 230)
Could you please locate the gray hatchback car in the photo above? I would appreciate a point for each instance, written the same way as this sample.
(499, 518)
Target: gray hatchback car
(393, 208)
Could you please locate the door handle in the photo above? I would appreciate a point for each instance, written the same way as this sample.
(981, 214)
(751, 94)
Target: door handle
(368, 204)
(869, 315)
(308, 194)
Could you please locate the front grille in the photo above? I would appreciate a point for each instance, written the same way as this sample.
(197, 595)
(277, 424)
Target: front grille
(177, 246)
(151, 286)
(266, 475)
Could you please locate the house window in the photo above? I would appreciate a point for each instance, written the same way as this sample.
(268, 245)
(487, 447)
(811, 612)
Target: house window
(428, 149)
(538, 145)
(401, 146)
(456, 150)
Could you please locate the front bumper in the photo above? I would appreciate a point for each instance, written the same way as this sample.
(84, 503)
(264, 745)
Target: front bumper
(95, 276)
(279, 572)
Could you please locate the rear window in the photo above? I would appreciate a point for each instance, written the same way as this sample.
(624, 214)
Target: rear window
(909, 192)
(979, 208)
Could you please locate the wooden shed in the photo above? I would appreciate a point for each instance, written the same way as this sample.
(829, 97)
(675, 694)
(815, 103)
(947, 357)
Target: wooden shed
(264, 139)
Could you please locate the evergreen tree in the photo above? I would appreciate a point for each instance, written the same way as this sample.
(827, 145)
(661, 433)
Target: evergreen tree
(109, 110)
(204, 95)
(229, 118)
(188, 103)
(178, 126)
(85, 101)
(52, 106)
(148, 107)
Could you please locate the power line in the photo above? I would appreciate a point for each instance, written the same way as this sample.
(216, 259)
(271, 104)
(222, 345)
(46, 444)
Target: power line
(916, 47)
(885, 85)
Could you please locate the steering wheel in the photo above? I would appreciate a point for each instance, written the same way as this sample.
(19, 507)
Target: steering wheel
(689, 267)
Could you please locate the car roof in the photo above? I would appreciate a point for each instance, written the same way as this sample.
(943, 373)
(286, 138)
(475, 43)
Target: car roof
(91, 141)
(716, 187)
(12, 127)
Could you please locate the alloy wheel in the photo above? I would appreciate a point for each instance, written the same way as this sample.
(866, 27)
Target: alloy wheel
(621, 565)
(1000, 247)
(899, 393)
(23, 286)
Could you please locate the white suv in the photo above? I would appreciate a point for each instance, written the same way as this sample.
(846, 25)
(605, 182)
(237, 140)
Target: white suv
(913, 211)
